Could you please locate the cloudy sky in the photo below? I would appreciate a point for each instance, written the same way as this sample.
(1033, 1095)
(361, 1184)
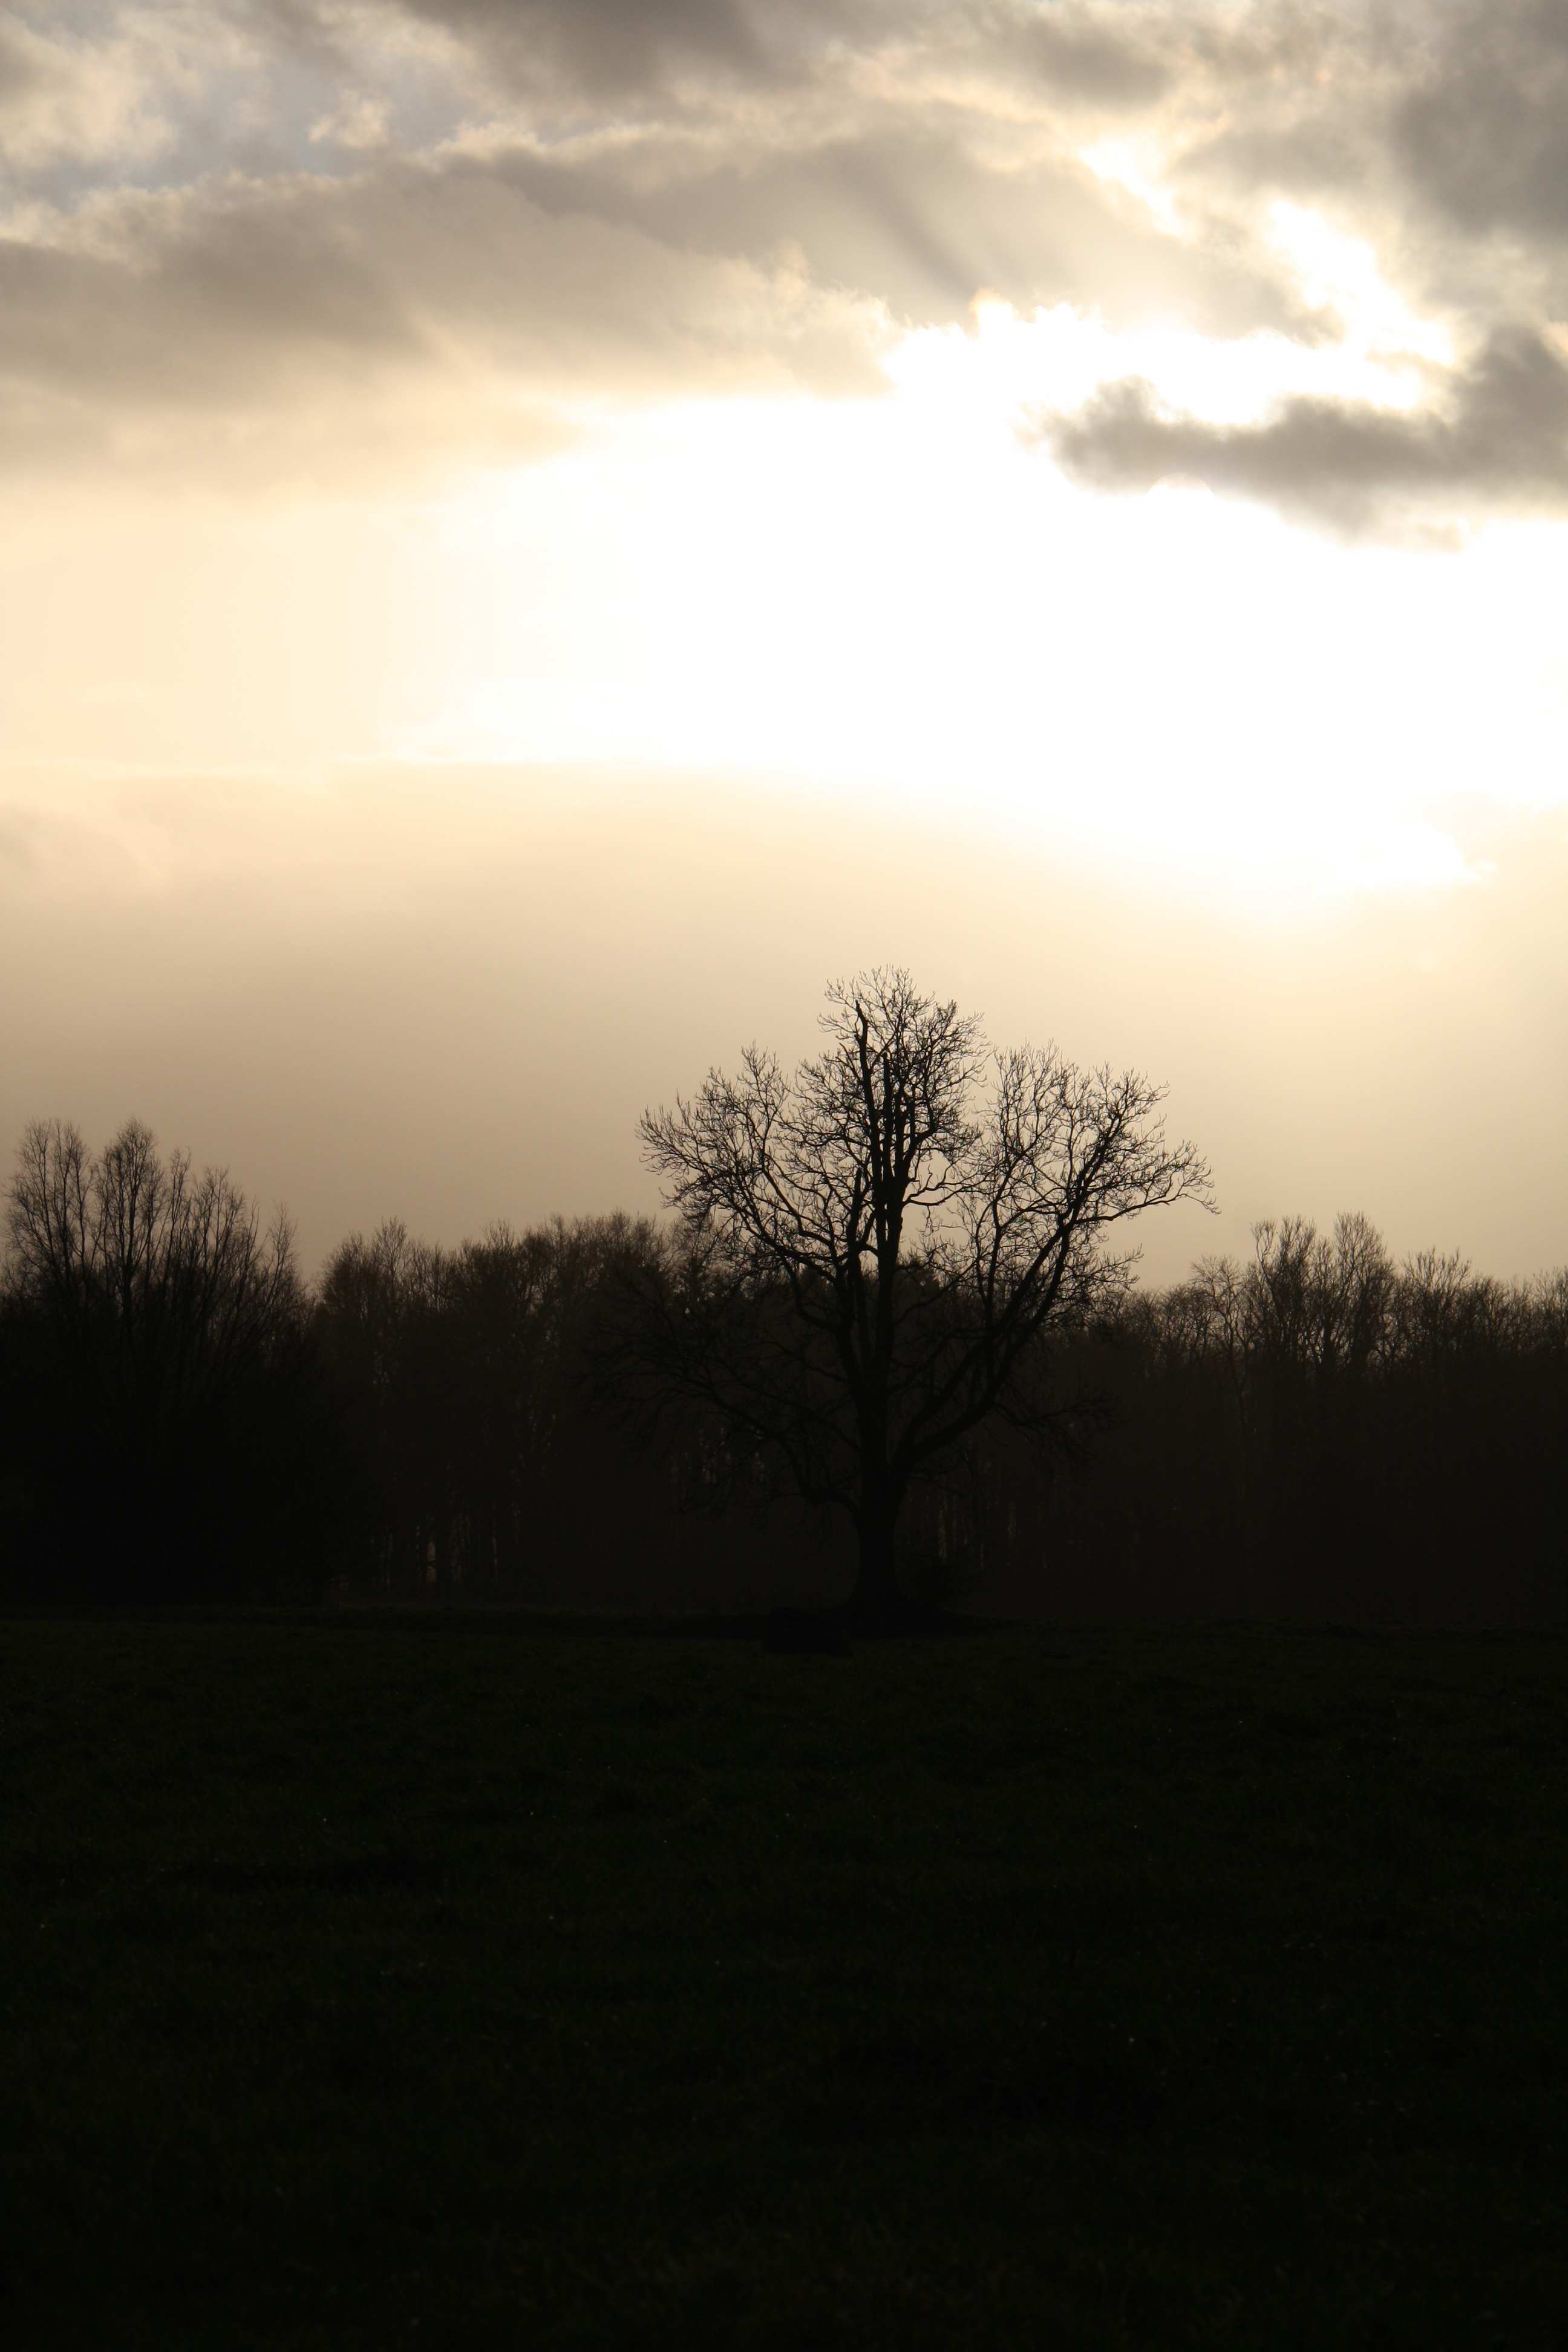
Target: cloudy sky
(534, 531)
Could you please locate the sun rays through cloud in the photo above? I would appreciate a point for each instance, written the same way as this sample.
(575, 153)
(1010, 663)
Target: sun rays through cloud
(1128, 439)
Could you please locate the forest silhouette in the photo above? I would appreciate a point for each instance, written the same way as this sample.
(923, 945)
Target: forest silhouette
(882, 1357)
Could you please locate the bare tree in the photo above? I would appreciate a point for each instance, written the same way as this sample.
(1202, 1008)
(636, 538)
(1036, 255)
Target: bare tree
(177, 1265)
(870, 1251)
(159, 1318)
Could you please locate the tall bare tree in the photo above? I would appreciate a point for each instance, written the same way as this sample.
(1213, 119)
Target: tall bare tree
(871, 1250)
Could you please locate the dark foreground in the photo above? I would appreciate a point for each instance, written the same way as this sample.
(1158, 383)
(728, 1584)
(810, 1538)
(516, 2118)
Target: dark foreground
(426, 1982)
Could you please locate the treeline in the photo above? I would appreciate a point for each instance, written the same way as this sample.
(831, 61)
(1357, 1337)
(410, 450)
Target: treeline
(183, 1417)
(493, 1458)
(1317, 1433)
(165, 1429)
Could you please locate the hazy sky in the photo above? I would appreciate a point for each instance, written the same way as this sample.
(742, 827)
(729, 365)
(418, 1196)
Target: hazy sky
(534, 531)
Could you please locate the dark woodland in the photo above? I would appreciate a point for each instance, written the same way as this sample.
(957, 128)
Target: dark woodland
(1317, 1434)
(518, 1948)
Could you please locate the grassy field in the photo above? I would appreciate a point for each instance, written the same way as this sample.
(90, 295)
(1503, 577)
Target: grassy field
(436, 1982)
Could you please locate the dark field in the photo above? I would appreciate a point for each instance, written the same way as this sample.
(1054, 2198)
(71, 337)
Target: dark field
(427, 1981)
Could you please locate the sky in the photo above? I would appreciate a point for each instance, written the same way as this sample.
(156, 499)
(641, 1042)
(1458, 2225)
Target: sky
(534, 533)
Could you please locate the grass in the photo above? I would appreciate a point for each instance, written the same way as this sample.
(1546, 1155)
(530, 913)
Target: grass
(432, 1982)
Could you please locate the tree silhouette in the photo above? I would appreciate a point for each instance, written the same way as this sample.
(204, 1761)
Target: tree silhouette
(159, 1333)
(871, 1250)
(459, 1377)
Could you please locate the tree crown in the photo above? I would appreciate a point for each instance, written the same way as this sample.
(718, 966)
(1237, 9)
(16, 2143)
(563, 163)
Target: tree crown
(871, 1247)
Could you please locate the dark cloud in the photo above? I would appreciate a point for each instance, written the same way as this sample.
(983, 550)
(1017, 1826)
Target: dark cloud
(1482, 128)
(605, 47)
(1505, 438)
(915, 217)
(627, 53)
(439, 280)
(19, 70)
(570, 274)
(1096, 61)
(606, 186)
(1446, 120)
(653, 257)
(224, 306)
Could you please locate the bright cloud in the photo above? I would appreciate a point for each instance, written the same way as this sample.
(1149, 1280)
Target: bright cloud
(1131, 437)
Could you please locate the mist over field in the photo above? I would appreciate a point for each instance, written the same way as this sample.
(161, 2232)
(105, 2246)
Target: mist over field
(367, 1006)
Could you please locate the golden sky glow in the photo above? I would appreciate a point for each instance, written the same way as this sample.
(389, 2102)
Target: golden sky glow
(1072, 497)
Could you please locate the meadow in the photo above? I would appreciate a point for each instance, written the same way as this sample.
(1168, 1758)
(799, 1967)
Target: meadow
(434, 1980)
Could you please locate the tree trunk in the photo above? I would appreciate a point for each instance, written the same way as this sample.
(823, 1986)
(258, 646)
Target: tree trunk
(876, 1598)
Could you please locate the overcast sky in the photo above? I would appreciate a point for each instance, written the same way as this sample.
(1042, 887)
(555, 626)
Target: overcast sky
(534, 531)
